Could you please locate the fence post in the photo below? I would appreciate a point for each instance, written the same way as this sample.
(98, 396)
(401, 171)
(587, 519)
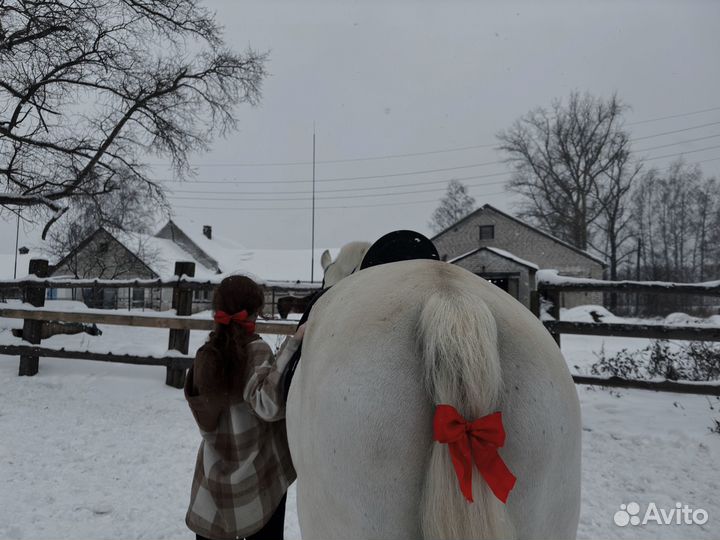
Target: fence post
(34, 295)
(535, 302)
(180, 339)
(554, 297)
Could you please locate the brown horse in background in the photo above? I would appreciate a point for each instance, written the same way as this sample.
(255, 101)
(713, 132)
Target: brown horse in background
(293, 304)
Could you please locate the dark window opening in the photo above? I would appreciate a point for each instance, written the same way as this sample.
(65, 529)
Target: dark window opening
(487, 232)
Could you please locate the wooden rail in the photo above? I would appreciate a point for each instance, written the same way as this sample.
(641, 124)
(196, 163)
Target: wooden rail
(138, 320)
(179, 326)
(658, 386)
(649, 331)
(183, 282)
(570, 284)
(172, 362)
(553, 286)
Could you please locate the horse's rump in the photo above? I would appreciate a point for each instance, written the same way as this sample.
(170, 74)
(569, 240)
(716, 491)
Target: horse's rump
(360, 412)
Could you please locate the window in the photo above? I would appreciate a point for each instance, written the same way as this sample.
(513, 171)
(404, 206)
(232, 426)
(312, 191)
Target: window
(201, 295)
(487, 232)
(138, 298)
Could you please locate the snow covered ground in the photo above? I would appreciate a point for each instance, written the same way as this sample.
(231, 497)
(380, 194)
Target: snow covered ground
(97, 450)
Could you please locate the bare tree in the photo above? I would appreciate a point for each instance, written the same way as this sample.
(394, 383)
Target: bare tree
(562, 161)
(706, 255)
(125, 210)
(87, 87)
(615, 220)
(455, 205)
(677, 214)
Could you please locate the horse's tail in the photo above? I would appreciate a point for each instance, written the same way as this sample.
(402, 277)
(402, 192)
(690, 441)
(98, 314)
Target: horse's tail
(458, 336)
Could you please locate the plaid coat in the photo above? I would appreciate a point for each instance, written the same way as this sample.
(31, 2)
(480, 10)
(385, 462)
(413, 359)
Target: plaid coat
(243, 466)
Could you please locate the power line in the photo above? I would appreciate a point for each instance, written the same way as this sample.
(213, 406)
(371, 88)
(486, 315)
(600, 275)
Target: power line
(433, 181)
(366, 188)
(377, 205)
(635, 139)
(248, 197)
(450, 150)
(348, 178)
(341, 197)
(346, 160)
(683, 142)
(416, 172)
(683, 153)
(276, 208)
(672, 116)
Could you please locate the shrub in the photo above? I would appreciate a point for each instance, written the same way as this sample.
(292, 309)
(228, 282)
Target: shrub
(695, 361)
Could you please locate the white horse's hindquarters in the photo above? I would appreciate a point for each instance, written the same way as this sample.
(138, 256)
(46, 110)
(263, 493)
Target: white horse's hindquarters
(541, 413)
(359, 419)
(357, 423)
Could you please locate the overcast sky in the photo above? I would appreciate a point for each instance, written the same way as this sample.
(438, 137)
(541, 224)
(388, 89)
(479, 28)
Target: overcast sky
(390, 78)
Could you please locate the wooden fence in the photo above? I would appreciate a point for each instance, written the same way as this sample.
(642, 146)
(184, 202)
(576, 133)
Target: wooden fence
(551, 286)
(179, 325)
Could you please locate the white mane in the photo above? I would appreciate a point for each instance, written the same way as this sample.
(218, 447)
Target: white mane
(347, 261)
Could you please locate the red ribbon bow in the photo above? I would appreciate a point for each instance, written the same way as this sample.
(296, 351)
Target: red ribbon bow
(476, 441)
(240, 318)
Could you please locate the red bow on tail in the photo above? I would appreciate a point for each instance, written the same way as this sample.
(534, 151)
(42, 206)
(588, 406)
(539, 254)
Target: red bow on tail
(476, 441)
(240, 318)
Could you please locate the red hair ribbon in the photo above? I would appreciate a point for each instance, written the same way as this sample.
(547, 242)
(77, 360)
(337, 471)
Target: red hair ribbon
(240, 318)
(476, 441)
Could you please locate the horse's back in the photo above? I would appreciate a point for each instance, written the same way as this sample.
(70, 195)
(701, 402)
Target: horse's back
(360, 418)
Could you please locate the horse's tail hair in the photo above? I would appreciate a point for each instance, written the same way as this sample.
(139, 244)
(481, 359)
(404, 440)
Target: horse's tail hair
(458, 337)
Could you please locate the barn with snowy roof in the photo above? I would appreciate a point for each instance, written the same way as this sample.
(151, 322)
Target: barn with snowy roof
(113, 254)
(508, 252)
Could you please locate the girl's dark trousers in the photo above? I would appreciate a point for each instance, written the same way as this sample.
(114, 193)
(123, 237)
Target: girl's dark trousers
(272, 530)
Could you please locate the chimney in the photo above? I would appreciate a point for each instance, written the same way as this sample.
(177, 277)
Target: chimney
(207, 231)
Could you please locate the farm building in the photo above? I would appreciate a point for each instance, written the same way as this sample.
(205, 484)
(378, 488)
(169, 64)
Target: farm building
(508, 251)
(112, 254)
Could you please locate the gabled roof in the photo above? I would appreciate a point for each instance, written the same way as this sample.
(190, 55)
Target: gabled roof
(90, 238)
(161, 254)
(526, 225)
(157, 255)
(225, 254)
(500, 253)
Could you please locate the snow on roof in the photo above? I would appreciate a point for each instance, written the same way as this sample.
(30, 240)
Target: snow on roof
(228, 252)
(37, 249)
(282, 264)
(459, 257)
(512, 257)
(496, 251)
(7, 264)
(159, 254)
(553, 277)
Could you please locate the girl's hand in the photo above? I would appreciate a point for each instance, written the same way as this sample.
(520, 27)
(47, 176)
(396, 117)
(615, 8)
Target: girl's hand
(300, 333)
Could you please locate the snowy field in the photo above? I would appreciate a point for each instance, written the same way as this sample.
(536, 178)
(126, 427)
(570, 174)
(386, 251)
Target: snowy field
(96, 450)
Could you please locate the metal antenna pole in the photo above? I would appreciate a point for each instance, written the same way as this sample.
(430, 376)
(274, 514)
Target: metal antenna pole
(17, 237)
(312, 249)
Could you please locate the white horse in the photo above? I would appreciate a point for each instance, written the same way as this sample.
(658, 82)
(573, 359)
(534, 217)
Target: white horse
(382, 348)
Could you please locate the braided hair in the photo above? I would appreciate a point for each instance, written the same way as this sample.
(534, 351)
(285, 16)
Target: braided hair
(229, 341)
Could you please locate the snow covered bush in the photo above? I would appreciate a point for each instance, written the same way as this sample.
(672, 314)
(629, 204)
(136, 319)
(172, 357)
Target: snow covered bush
(695, 361)
(624, 364)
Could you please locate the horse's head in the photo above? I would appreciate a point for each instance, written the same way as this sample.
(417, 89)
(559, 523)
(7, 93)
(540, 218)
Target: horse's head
(347, 262)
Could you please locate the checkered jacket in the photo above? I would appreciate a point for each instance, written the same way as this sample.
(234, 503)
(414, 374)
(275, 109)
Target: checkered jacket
(243, 466)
